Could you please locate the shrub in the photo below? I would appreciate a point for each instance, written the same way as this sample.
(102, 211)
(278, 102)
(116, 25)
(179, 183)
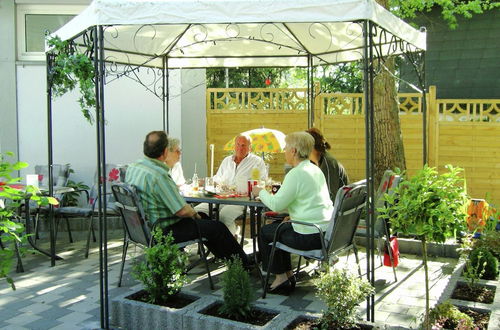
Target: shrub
(485, 263)
(341, 292)
(447, 316)
(163, 272)
(490, 240)
(237, 291)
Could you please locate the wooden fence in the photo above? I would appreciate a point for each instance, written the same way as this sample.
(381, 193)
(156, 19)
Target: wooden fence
(463, 133)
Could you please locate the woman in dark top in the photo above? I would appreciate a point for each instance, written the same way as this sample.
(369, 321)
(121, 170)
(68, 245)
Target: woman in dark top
(334, 172)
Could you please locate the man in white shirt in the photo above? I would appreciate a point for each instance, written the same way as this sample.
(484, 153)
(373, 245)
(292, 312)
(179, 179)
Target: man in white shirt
(235, 169)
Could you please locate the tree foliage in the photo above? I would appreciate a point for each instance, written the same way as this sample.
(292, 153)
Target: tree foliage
(450, 9)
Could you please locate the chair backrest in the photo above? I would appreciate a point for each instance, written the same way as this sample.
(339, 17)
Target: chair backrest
(114, 174)
(60, 175)
(134, 219)
(349, 203)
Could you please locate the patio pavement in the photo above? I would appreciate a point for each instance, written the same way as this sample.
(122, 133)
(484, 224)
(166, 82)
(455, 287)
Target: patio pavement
(67, 296)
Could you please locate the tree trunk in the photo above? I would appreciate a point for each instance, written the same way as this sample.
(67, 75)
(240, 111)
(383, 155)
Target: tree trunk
(389, 150)
(427, 289)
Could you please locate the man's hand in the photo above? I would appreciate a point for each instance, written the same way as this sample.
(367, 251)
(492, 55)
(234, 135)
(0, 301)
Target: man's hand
(187, 212)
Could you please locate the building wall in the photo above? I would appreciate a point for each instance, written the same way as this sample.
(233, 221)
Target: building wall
(465, 62)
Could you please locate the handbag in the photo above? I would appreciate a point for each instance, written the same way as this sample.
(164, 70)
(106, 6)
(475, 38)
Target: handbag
(394, 246)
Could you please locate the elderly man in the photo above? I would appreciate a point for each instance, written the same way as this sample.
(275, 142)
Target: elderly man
(165, 207)
(234, 169)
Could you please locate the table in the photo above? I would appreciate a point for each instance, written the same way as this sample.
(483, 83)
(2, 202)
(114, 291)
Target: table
(255, 207)
(29, 233)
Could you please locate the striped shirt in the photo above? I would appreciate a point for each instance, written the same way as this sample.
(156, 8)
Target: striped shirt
(159, 194)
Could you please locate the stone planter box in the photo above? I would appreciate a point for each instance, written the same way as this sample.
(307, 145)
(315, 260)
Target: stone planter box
(195, 320)
(493, 308)
(131, 314)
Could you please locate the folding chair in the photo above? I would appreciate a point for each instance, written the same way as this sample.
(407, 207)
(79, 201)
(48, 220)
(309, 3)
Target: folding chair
(137, 229)
(382, 232)
(339, 236)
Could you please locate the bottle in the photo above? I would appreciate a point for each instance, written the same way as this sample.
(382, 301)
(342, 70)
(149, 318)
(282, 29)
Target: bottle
(195, 183)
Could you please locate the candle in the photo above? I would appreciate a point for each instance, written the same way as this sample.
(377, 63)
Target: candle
(211, 160)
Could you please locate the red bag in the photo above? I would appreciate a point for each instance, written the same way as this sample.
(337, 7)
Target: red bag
(394, 246)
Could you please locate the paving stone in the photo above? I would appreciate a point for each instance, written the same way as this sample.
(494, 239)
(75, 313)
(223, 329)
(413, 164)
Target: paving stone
(43, 323)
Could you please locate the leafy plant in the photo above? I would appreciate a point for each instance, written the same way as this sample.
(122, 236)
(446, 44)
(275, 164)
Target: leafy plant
(485, 263)
(69, 69)
(11, 198)
(237, 291)
(341, 292)
(71, 198)
(430, 206)
(163, 272)
(490, 240)
(447, 316)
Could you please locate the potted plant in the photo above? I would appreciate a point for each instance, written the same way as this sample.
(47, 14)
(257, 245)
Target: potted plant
(160, 303)
(448, 316)
(432, 207)
(11, 198)
(342, 292)
(236, 311)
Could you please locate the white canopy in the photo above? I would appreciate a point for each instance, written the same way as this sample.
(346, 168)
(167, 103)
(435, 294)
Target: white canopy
(233, 33)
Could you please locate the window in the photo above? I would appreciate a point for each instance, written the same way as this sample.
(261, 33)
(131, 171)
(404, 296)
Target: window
(32, 23)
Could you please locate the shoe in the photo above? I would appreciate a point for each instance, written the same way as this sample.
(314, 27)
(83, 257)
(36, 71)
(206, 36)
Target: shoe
(293, 281)
(284, 288)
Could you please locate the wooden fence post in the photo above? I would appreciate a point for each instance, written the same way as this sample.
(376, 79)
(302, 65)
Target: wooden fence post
(433, 127)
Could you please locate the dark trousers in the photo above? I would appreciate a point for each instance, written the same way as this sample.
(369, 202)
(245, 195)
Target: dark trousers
(219, 239)
(281, 260)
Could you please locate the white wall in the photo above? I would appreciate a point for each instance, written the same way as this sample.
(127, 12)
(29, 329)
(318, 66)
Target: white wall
(130, 111)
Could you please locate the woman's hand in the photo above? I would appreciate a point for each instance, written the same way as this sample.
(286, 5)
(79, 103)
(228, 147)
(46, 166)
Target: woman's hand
(256, 190)
(286, 219)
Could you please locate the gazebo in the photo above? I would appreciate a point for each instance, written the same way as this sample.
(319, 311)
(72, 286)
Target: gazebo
(121, 36)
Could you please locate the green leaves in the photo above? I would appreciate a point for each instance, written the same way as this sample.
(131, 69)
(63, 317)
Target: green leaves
(163, 272)
(428, 205)
(69, 70)
(353, 290)
(237, 290)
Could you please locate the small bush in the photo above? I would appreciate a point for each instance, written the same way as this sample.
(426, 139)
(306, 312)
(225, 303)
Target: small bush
(447, 316)
(490, 240)
(485, 262)
(237, 291)
(341, 292)
(163, 272)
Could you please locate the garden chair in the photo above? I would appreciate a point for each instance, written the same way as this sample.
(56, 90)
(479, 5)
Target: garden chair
(137, 228)
(389, 181)
(60, 176)
(339, 236)
(114, 173)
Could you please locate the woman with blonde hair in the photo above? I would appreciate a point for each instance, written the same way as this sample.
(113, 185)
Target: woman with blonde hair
(304, 194)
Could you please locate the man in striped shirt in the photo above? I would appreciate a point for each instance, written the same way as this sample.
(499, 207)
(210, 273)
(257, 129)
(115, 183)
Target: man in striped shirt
(164, 205)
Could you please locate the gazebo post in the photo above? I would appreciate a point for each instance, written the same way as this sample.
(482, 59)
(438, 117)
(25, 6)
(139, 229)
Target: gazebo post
(98, 44)
(310, 91)
(165, 92)
(369, 146)
(50, 60)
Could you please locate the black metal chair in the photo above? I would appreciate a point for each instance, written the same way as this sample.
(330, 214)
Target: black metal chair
(339, 236)
(382, 231)
(137, 228)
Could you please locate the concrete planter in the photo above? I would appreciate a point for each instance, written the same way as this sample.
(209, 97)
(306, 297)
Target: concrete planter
(493, 308)
(198, 321)
(314, 316)
(131, 314)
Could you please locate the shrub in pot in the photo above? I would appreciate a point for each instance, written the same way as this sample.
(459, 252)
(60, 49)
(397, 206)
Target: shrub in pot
(430, 206)
(163, 273)
(485, 263)
(341, 292)
(237, 293)
(447, 316)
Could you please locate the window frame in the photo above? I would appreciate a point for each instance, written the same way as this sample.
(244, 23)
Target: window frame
(23, 10)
